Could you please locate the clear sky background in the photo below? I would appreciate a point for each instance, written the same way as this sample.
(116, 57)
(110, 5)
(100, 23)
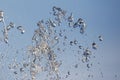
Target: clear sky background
(102, 18)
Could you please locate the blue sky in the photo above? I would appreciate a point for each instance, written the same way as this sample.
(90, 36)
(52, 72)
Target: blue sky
(102, 18)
